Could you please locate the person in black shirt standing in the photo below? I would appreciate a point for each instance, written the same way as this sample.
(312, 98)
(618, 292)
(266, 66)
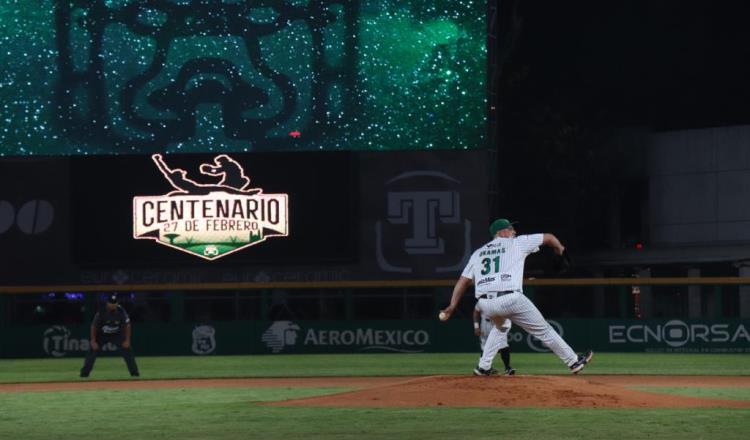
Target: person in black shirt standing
(110, 325)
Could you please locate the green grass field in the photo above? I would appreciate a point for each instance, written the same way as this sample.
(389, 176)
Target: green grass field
(391, 364)
(237, 413)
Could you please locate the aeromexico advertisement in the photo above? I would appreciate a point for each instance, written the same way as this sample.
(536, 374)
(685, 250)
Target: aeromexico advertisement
(398, 336)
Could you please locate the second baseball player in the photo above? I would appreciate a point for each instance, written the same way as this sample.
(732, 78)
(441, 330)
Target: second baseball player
(483, 326)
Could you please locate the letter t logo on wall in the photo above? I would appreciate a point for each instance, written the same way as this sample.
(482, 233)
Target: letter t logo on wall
(423, 210)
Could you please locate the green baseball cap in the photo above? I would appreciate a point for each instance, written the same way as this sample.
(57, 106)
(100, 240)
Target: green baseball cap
(500, 224)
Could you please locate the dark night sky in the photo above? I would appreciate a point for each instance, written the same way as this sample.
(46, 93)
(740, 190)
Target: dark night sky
(582, 71)
(668, 65)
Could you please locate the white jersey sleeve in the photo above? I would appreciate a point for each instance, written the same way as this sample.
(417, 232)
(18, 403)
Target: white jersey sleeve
(530, 243)
(469, 269)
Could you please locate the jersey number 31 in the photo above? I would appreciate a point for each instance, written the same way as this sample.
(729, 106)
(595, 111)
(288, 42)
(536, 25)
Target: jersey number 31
(488, 266)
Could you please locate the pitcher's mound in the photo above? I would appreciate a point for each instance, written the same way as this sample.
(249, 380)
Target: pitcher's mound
(525, 391)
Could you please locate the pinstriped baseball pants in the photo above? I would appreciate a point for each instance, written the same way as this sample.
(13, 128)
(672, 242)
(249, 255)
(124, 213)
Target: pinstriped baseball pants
(487, 326)
(521, 311)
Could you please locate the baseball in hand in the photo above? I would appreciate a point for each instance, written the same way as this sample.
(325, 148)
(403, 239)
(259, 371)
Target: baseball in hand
(443, 316)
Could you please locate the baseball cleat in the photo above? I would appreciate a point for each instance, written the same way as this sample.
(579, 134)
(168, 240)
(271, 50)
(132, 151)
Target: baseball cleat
(583, 359)
(510, 371)
(482, 372)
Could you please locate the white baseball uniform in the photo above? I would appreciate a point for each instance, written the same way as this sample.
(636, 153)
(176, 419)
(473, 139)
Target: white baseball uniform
(485, 326)
(497, 272)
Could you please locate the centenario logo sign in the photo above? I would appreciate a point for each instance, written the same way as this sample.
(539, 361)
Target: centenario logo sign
(210, 220)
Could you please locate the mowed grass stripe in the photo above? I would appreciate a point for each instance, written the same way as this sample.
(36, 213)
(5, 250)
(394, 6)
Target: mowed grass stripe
(702, 392)
(186, 414)
(389, 364)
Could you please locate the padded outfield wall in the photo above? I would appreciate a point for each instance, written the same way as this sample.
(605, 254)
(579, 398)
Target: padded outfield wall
(403, 336)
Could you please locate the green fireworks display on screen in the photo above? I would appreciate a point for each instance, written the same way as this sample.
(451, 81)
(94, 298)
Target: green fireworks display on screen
(144, 76)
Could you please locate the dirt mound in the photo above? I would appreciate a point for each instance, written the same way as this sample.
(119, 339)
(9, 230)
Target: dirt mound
(520, 391)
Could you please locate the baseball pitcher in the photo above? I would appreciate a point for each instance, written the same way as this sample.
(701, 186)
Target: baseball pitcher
(496, 270)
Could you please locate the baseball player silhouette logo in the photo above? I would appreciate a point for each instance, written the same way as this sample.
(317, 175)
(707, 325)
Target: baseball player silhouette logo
(233, 178)
(210, 220)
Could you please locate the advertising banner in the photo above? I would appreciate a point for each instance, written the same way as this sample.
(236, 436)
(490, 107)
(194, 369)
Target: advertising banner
(395, 336)
(250, 218)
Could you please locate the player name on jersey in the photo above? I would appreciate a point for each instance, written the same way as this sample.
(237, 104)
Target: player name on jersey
(495, 251)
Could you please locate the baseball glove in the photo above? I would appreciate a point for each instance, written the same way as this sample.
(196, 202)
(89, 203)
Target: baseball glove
(564, 262)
